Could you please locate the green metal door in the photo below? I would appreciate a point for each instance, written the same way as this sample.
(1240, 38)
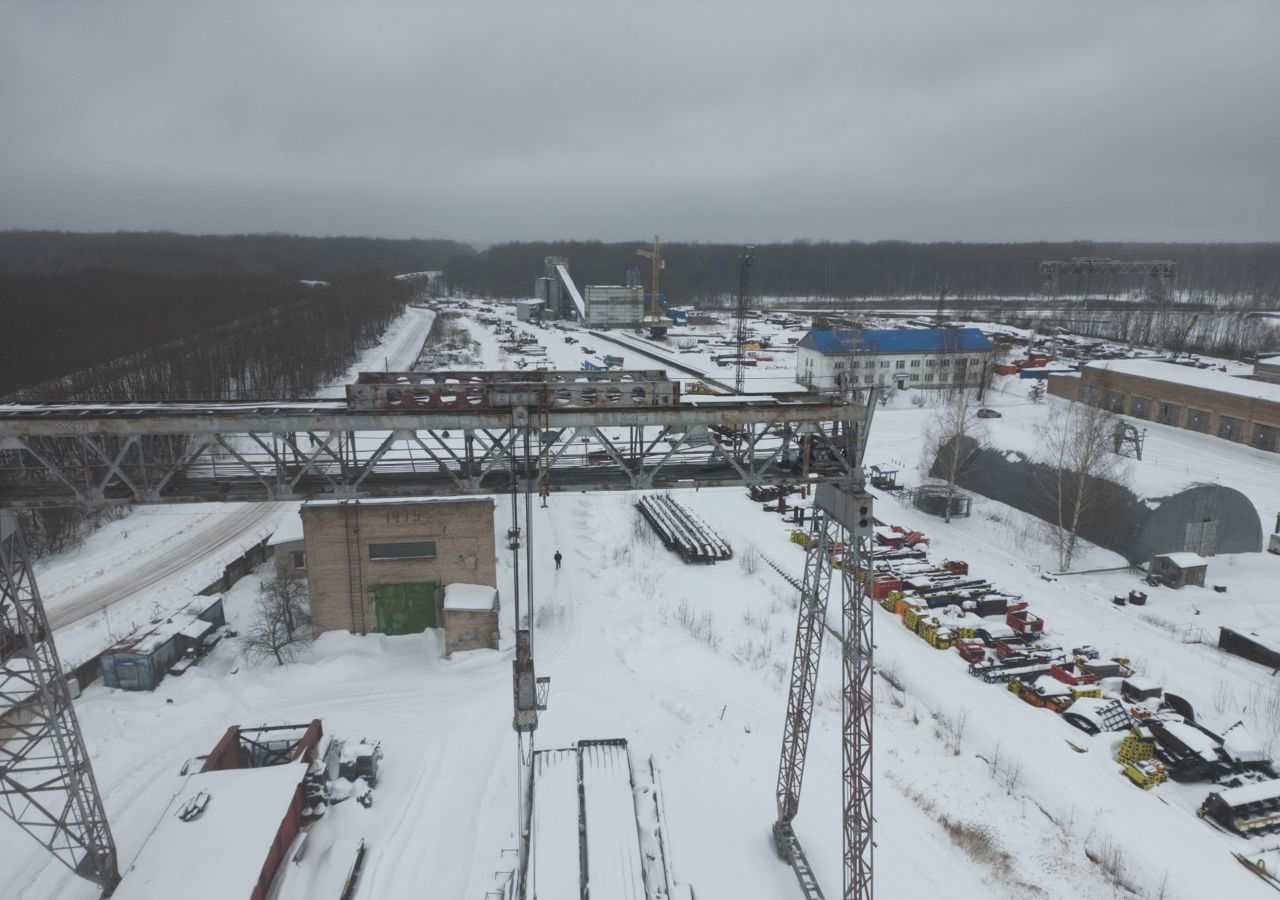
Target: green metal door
(406, 608)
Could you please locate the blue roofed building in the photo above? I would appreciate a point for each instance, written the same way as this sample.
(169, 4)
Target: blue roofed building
(853, 358)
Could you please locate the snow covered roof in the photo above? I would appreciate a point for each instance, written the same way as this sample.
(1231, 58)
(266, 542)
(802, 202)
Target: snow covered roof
(475, 597)
(1184, 560)
(1241, 745)
(1139, 683)
(289, 531)
(196, 629)
(1273, 360)
(1194, 739)
(392, 501)
(1250, 793)
(896, 340)
(219, 854)
(1206, 379)
(1089, 707)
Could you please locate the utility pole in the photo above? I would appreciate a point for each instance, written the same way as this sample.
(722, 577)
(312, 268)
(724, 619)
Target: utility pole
(745, 262)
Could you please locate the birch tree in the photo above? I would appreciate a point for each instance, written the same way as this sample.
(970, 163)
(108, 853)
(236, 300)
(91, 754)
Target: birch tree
(954, 433)
(1077, 445)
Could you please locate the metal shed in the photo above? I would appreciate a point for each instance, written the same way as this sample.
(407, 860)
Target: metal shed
(139, 662)
(1203, 519)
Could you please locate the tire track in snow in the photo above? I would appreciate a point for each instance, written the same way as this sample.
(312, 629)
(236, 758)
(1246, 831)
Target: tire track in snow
(171, 560)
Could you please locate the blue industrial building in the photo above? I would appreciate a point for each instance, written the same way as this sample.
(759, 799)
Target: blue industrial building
(902, 358)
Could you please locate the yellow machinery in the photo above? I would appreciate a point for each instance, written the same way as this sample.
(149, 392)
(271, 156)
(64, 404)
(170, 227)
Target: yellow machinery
(1137, 754)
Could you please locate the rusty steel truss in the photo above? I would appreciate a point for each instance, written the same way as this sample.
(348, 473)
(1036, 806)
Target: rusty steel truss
(470, 391)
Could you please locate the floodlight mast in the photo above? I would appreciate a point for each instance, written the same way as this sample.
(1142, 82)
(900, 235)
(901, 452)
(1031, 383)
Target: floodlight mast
(746, 259)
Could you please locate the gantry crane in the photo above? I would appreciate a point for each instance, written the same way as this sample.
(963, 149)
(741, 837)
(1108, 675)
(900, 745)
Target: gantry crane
(395, 434)
(655, 319)
(839, 537)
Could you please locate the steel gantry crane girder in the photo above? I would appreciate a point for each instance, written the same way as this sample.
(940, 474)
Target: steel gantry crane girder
(56, 455)
(46, 781)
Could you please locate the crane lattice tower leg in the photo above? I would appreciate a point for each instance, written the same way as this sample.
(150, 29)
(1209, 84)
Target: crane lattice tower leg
(824, 534)
(857, 709)
(46, 781)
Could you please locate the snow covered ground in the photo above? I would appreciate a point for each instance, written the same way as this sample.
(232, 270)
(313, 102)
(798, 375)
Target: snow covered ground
(979, 795)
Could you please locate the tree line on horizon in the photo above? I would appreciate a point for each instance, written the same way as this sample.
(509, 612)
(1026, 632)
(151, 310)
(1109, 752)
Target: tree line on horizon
(1242, 274)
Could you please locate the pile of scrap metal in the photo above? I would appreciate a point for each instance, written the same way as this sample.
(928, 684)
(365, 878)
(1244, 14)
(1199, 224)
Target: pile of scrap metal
(1249, 809)
(1002, 642)
(1192, 752)
(896, 537)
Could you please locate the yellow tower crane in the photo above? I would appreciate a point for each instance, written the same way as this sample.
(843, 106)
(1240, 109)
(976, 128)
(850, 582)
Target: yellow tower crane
(657, 327)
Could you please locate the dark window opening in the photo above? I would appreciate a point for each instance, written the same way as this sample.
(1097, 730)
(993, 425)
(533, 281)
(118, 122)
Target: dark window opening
(403, 550)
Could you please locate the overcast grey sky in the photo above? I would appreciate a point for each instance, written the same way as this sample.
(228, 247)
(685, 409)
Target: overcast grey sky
(966, 121)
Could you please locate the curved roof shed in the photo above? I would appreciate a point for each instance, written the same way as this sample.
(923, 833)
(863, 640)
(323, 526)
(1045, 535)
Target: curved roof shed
(1202, 518)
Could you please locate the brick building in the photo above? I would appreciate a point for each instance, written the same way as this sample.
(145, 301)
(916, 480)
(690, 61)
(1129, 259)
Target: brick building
(382, 565)
(1245, 410)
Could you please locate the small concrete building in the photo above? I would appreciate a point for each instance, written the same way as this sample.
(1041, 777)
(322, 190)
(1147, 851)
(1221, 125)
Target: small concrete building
(288, 549)
(382, 565)
(470, 617)
(1179, 569)
(529, 310)
(847, 359)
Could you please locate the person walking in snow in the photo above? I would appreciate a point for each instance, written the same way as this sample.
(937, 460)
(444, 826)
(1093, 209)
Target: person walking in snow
(558, 557)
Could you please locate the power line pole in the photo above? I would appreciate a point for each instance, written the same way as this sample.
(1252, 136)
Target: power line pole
(745, 262)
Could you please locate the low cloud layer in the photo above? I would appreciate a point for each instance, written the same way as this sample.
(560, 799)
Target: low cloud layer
(705, 121)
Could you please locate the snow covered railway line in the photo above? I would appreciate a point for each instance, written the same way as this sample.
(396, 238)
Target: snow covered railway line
(665, 360)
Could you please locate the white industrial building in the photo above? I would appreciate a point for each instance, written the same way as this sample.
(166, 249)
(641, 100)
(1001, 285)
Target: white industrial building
(615, 305)
(847, 359)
